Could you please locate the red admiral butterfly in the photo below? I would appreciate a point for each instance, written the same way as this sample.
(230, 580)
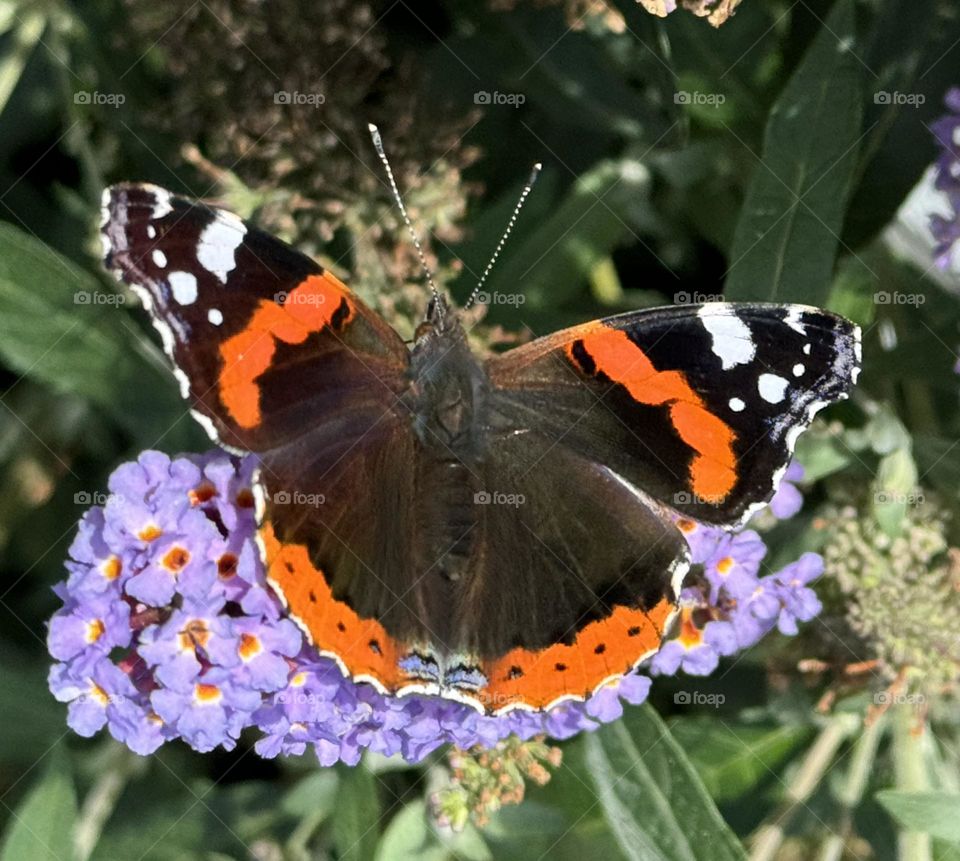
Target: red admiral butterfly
(496, 529)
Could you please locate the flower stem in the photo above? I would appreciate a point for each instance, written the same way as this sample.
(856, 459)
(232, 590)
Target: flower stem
(102, 798)
(911, 776)
(851, 793)
(769, 836)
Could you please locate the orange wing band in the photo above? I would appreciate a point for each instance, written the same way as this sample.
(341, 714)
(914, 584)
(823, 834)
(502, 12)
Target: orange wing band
(362, 646)
(713, 469)
(310, 307)
(603, 650)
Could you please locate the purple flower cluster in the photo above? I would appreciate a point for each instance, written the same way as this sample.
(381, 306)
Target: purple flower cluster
(169, 630)
(946, 230)
(735, 605)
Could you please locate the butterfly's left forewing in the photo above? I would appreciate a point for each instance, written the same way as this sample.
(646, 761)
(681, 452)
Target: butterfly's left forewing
(698, 407)
(238, 309)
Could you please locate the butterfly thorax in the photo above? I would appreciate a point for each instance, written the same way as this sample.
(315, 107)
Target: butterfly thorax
(448, 389)
(448, 402)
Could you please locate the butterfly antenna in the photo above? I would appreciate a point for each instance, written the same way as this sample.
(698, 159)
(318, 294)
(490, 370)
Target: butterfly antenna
(378, 145)
(503, 239)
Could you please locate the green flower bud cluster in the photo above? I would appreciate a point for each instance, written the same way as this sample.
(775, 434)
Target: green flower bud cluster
(901, 592)
(482, 781)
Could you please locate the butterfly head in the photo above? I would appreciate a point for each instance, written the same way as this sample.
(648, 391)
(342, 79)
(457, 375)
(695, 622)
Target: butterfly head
(440, 319)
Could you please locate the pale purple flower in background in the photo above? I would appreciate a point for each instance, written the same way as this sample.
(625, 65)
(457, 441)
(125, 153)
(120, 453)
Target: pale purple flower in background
(946, 229)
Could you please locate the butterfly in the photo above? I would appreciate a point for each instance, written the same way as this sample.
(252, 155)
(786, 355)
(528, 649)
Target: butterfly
(496, 529)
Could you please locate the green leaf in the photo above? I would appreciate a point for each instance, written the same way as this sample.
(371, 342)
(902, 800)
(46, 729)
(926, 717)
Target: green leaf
(591, 220)
(41, 828)
(908, 50)
(938, 459)
(933, 813)
(410, 837)
(315, 791)
(786, 239)
(733, 760)
(821, 455)
(29, 715)
(356, 825)
(25, 38)
(60, 327)
(894, 490)
(654, 800)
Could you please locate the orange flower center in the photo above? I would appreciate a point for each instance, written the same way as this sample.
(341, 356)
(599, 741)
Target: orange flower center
(110, 568)
(176, 559)
(195, 635)
(149, 533)
(202, 493)
(227, 566)
(250, 646)
(690, 634)
(207, 694)
(99, 694)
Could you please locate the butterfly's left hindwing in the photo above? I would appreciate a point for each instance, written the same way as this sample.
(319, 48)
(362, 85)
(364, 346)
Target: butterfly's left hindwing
(699, 407)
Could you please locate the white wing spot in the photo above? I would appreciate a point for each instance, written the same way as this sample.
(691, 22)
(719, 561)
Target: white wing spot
(798, 370)
(730, 338)
(793, 321)
(159, 258)
(215, 316)
(161, 204)
(736, 405)
(806, 349)
(217, 248)
(105, 199)
(772, 388)
(184, 287)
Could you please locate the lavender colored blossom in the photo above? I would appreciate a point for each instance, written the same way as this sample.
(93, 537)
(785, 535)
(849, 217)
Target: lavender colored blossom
(169, 630)
(788, 500)
(946, 230)
(165, 631)
(734, 605)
